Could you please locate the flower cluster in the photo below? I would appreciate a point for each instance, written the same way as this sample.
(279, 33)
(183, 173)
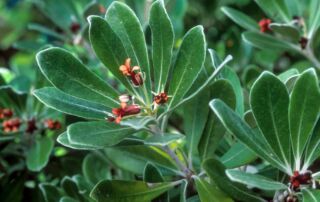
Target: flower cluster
(11, 125)
(161, 98)
(300, 179)
(127, 105)
(5, 113)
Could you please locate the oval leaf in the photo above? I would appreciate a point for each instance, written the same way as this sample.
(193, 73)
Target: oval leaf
(216, 171)
(269, 100)
(63, 102)
(69, 75)
(304, 110)
(98, 134)
(241, 19)
(108, 48)
(38, 155)
(188, 65)
(128, 28)
(266, 42)
(252, 139)
(254, 180)
(134, 191)
(162, 43)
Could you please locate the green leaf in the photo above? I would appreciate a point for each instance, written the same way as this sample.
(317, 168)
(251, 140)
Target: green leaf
(134, 191)
(69, 75)
(214, 130)
(67, 199)
(70, 188)
(64, 140)
(50, 192)
(313, 148)
(210, 193)
(138, 123)
(304, 109)
(63, 102)
(311, 195)
(294, 7)
(238, 155)
(152, 174)
(252, 139)
(285, 76)
(162, 43)
(126, 25)
(275, 9)
(241, 19)
(230, 75)
(287, 31)
(39, 153)
(269, 100)
(196, 112)
(216, 171)
(266, 42)
(188, 65)
(135, 158)
(108, 48)
(314, 19)
(98, 134)
(95, 168)
(254, 180)
(163, 139)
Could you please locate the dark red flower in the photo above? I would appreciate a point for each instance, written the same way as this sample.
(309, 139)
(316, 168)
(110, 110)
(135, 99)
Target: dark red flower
(75, 27)
(11, 125)
(161, 98)
(136, 77)
(5, 113)
(124, 110)
(31, 126)
(300, 179)
(264, 24)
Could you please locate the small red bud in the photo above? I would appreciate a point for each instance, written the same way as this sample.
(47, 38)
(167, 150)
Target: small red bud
(102, 9)
(264, 24)
(121, 112)
(31, 126)
(161, 98)
(303, 42)
(75, 27)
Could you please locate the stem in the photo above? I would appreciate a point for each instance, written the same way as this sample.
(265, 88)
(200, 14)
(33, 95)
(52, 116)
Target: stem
(174, 156)
(171, 153)
(309, 54)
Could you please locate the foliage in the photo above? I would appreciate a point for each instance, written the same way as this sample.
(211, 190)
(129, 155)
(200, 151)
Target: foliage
(131, 102)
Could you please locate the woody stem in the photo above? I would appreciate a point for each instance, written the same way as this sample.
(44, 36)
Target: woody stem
(171, 153)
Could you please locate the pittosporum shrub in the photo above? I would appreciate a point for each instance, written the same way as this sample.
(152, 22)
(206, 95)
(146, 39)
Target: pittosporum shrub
(143, 154)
